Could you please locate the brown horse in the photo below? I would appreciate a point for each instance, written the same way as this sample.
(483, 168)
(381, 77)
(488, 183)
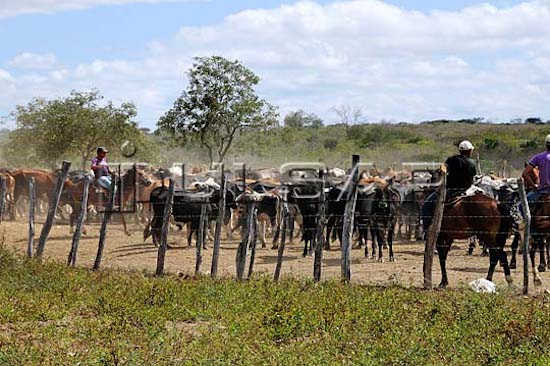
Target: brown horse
(477, 215)
(72, 194)
(44, 183)
(540, 231)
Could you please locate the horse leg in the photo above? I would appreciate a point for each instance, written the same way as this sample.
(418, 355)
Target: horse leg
(443, 251)
(536, 277)
(124, 225)
(506, 267)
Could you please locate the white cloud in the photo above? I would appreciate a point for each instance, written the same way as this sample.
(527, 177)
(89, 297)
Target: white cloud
(29, 60)
(394, 63)
(10, 8)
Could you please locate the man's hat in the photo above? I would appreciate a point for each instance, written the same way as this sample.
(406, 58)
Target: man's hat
(547, 139)
(102, 149)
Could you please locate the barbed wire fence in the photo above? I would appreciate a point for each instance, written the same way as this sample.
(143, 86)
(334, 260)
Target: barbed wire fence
(247, 246)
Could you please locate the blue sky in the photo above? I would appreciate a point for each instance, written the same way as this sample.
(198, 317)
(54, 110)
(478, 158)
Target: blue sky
(416, 60)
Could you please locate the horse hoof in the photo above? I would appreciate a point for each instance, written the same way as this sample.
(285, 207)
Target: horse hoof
(275, 247)
(385, 246)
(513, 265)
(470, 252)
(542, 268)
(392, 259)
(380, 260)
(443, 285)
(264, 246)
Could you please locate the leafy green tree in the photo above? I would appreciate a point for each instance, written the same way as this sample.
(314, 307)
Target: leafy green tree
(301, 119)
(219, 104)
(50, 130)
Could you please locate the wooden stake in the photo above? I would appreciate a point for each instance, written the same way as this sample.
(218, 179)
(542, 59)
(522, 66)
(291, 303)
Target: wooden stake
(347, 229)
(79, 223)
(254, 239)
(433, 233)
(54, 202)
(526, 234)
(219, 224)
(320, 230)
(200, 237)
(32, 206)
(165, 224)
(106, 217)
(242, 250)
(281, 248)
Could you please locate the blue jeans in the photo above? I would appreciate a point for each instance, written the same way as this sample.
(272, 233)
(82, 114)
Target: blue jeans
(533, 197)
(105, 182)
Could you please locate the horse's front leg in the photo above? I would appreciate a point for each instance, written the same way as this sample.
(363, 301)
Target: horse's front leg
(442, 251)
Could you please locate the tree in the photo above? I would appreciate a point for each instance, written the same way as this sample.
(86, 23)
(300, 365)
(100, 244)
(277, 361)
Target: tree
(219, 104)
(349, 116)
(534, 120)
(301, 119)
(51, 130)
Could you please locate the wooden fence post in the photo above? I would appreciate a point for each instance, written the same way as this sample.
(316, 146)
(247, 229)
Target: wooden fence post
(54, 202)
(320, 230)
(347, 227)
(526, 234)
(284, 225)
(79, 223)
(200, 238)
(242, 250)
(165, 225)
(106, 217)
(254, 242)
(433, 233)
(219, 224)
(2, 197)
(32, 205)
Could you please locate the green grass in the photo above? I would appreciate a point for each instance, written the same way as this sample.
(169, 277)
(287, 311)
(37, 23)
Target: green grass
(52, 315)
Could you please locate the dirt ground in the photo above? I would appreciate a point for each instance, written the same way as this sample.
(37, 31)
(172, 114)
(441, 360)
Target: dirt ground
(131, 252)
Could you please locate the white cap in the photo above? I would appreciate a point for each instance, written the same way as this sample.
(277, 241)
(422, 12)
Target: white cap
(548, 139)
(465, 145)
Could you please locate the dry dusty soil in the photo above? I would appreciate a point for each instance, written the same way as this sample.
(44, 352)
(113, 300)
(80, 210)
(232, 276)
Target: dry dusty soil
(131, 252)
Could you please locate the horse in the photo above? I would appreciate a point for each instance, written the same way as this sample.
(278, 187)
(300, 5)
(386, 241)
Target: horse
(479, 215)
(72, 194)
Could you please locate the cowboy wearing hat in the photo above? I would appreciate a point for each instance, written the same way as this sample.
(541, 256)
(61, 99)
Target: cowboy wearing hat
(101, 169)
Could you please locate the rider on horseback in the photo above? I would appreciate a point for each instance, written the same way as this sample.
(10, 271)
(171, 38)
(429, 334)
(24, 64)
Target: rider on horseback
(461, 170)
(101, 168)
(541, 186)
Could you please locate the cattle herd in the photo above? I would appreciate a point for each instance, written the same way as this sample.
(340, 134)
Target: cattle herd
(387, 203)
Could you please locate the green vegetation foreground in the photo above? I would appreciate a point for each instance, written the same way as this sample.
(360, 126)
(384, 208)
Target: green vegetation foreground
(53, 315)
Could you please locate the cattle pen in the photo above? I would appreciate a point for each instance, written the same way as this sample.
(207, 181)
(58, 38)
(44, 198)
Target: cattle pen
(102, 242)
